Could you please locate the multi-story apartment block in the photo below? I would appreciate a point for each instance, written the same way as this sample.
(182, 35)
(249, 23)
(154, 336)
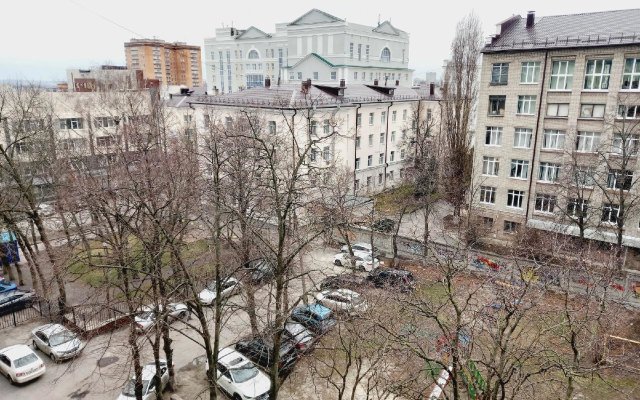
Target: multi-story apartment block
(171, 63)
(559, 104)
(373, 124)
(315, 46)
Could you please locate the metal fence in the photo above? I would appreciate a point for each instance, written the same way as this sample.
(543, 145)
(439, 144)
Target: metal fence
(39, 308)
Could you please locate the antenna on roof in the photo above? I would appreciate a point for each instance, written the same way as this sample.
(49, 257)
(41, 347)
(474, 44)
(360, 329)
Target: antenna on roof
(378, 19)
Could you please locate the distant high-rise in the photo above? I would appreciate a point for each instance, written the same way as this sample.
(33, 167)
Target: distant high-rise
(171, 63)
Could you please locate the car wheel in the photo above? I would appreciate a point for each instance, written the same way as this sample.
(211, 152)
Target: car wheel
(53, 358)
(34, 345)
(237, 397)
(185, 315)
(11, 381)
(338, 263)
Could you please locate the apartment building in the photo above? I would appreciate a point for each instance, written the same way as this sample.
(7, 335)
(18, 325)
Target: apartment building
(315, 46)
(174, 63)
(559, 106)
(372, 123)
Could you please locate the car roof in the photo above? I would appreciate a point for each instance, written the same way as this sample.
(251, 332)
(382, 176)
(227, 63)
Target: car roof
(16, 351)
(50, 329)
(230, 358)
(345, 292)
(319, 309)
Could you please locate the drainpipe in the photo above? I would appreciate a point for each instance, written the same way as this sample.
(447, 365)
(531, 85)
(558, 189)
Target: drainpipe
(535, 136)
(355, 148)
(386, 145)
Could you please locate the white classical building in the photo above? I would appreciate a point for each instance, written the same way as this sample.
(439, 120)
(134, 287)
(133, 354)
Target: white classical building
(315, 46)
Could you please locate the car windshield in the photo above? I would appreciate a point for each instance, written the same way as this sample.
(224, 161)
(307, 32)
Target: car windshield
(61, 337)
(211, 286)
(146, 315)
(26, 360)
(130, 388)
(8, 299)
(243, 374)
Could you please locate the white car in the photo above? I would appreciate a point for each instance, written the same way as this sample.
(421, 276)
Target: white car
(149, 382)
(361, 261)
(146, 318)
(19, 363)
(57, 342)
(343, 301)
(229, 287)
(239, 378)
(363, 247)
(45, 209)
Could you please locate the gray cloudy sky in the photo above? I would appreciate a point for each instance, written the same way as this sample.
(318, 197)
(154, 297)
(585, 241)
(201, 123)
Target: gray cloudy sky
(41, 38)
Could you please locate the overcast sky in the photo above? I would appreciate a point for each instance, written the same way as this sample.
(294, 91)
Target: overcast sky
(41, 38)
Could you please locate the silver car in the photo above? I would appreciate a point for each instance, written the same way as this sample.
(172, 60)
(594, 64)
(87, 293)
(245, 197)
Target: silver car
(149, 382)
(57, 342)
(147, 317)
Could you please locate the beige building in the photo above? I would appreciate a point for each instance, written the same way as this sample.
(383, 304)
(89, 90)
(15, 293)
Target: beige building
(171, 63)
(558, 125)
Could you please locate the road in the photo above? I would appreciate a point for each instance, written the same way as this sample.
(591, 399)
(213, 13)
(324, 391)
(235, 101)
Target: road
(102, 369)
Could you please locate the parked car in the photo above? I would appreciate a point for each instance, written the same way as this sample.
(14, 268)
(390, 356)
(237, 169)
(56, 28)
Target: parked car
(45, 209)
(146, 318)
(385, 225)
(343, 301)
(259, 270)
(149, 382)
(348, 281)
(57, 342)
(360, 261)
(19, 363)
(259, 350)
(6, 285)
(228, 287)
(15, 300)
(365, 247)
(315, 317)
(239, 378)
(301, 337)
(401, 279)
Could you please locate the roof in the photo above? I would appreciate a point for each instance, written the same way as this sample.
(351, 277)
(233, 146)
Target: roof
(319, 309)
(231, 358)
(315, 16)
(386, 28)
(595, 29)
(16, 351)
(50, 329)
(291, 96)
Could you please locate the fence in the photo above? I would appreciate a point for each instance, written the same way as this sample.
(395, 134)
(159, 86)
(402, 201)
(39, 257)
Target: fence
(39, 308)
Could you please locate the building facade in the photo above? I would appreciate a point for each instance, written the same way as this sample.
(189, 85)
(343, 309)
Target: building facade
(171, 63)
(558, 126)
(315, 46)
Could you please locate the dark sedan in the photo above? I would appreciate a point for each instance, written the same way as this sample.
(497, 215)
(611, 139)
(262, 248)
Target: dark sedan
(260, 351)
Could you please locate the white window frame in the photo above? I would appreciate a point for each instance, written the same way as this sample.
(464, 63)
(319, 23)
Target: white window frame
(522, 138)
(576, 206)
(488, 194)
(587, 142)
(380, 158)
(530, 72)
(553, 139)
(548, 172)
(631, 144)
(490, 166)
(519, 169)
(493, 136)
(631, 74)
(497, 100)
(526, 105)
(597, 73)
(369, 160)
(511, 227)
(558, 110)
(629, 111)
(615, 178)
(371, 118)
(515, 197)
(501, 72)
(545, 203)
(592, 111)
(608, 210)
(561, 78)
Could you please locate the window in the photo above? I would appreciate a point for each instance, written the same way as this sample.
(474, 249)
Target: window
(22, 147)
(553, 139)
(548, 172)
(369, 160)
(577, 208)
(631, 74)
(631, 145)
(526, 105)
(515, 198)
(356, 184)
(385, 56)
(522, 138)
(326, 127)
(105, 141)
(358, 119)
(511, 227)
(404, 115)
(557, 110)
(272, 127)
(402, 154)
(357, 162)
(370, 140)
(490, 166)
(496, 105)
(392, 155)
(333, 75)
(592, 110)
(588, 142)
(545, 203)
(428, 115)
(390, 175)
(381, 158)
(299, 76)
(382, 137)
(619, 179)
(315, 76)
(71, 123)
(326, 153)
(357, 142)
(227, 122)
(359, 52)
(393, 136)
(493, 136)
(629, 112)
(370, 118)
(596, 75)
(313, 127)
(369, 179)
(394, 116)
(355, 75)
(487, 222)
(519, 169)
(367, 52)
(584, 176)
(530, 72)
(562, 75)
(104, 122)
(379, 178)
(253, 55)
(350, 50)
(383, 117)
(500, 74)
(313, 155)
(610, 213)
(487, 195)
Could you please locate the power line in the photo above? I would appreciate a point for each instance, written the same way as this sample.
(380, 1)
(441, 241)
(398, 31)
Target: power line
(106, 18)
